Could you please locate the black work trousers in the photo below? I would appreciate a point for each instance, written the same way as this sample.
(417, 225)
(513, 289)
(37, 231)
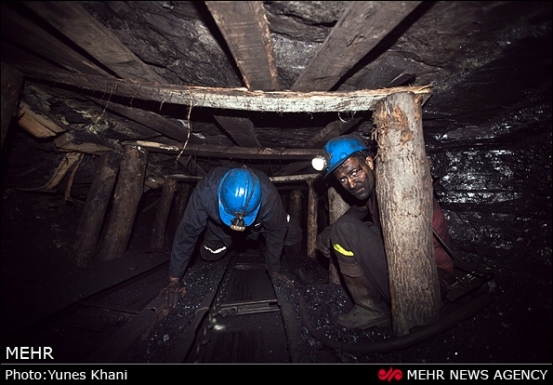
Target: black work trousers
(356, 241)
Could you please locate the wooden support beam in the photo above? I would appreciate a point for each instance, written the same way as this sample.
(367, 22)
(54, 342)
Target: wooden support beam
(404, 192)
(312, 200)
(162, 213)
(246, 30)
(244, 26)
(126, 198)
(38, 125)
(71, 179)
(360, 28)
(294, 205)
(70, 160)
(230, 98)
(182, 193)
(274, 179)
(35, 39)
(228, 152)
(12, 81)
(72, 20)
(174, 130)
(241, 130)
(22, 59)
(97, 200)
(83, 141)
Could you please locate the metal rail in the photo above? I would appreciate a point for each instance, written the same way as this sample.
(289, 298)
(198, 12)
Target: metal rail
(244, 311)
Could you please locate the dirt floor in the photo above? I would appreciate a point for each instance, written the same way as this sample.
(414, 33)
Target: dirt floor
(39, 278)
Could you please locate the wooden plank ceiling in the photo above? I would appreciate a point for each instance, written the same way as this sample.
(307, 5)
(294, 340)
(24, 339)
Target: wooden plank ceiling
(245, 29)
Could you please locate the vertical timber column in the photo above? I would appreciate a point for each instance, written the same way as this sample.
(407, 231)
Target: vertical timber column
(404, 193)
(294, 205)
(12, 80)
(128, 192)
(179, 205)
(162, 214)
(97, 200)
(311, 220)
(336, 208)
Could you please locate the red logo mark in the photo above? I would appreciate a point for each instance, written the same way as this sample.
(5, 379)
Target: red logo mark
(390, 374)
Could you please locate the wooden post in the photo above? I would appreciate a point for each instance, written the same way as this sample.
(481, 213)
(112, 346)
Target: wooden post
(336, 208)
(12, 80)
(404, 193)
(179, 205)
(160, 224)
(294, 205)
(128, 192)
(92, 217)
(311, 220)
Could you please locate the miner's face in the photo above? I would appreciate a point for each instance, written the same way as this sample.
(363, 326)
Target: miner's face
(356, 175)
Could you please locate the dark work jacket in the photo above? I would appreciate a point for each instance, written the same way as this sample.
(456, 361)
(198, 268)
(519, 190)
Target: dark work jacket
(366, 212)
(203, 205)
(369, 212)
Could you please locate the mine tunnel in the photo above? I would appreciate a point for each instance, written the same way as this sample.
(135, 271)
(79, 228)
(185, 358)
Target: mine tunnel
(113, 113)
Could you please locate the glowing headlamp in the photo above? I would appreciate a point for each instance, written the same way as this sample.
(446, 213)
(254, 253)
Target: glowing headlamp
(319, 163)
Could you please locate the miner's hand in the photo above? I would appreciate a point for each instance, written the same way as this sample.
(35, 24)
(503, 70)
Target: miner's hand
(174, 290)
(323, 242)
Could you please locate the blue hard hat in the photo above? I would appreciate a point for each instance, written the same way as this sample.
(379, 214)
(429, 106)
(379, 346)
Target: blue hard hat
(239, 198)
(337, 150)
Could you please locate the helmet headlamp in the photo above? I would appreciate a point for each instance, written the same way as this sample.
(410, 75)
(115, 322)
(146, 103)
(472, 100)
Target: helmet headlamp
(239, 195)
(237, 223)
(319, 162)
(336, 151)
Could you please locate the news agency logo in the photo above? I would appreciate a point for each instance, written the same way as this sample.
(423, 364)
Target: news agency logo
(390, 374)
(499, 373)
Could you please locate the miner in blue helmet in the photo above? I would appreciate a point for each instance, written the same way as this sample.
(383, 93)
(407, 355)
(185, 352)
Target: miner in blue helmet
(356, 238)
(229, 204)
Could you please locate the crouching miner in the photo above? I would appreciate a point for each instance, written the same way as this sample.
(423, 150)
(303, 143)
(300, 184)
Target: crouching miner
(356, 238)
(230, 203)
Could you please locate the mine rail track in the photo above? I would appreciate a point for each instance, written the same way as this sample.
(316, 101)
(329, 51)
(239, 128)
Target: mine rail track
(243, 320)
(237, 323)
